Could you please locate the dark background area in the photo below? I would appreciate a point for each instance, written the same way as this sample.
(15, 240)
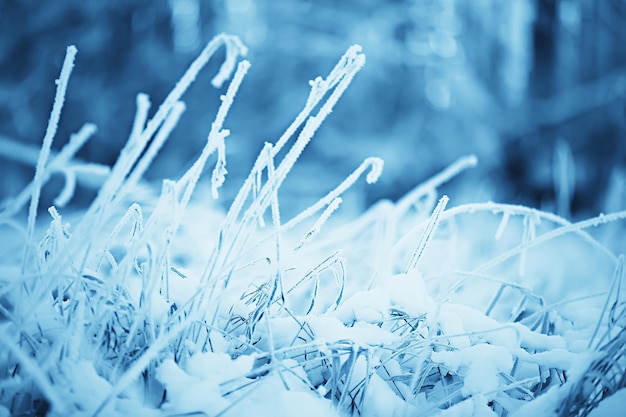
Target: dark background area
(533, 87)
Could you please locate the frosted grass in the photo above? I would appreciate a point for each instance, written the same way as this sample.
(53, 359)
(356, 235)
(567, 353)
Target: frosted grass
(64, 162)
(413, 308)
(53, 123)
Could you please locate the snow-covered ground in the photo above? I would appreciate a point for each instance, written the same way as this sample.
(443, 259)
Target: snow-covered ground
(154, 301)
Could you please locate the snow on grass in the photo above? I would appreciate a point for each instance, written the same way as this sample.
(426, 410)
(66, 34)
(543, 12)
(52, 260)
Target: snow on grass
(154, 302)
(479, 365)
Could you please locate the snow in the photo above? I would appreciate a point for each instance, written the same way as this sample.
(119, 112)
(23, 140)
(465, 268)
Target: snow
(469, 320)
(326, 329)
(215, 384)
(556, 358)
(189, 393)
(475, 406)
(380, 400)
(404, 292)
(280, 402)
(480, 366)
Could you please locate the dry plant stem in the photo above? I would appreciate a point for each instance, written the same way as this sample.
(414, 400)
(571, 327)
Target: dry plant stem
(254, 386)
(169, 123)
(309, 129)
(62, 238)
(325, 264)
(32, 368)
(315, 229)
(331, 199)
(18, 152)
(430, 229)
(516, 210)
(62, 162)
(76, 142)
(458, 166)
(234, 49)
(375, 165)
(138, 366)
(163, 122)
(129, 154)
(618, 277)
(133, 218)
(213, 142)
(53, 122)
(215, 139)
(338, 81)
(573, 227)
(138, 141)
(143, 104)
(217, 134)
(276, 265)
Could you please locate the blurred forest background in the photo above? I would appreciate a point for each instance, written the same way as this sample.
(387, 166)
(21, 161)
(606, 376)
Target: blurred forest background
(535, 88)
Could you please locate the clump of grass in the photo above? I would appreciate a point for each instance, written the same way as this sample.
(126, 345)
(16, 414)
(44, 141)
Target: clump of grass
(604, 377)
(391, 313)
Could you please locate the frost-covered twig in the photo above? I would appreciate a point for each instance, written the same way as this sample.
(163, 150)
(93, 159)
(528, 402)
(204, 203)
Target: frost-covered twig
(336, 83)
(461, 164)
(509, 210)
(74, 170)
(140, 138)
(375, 166)
(53, 122)
(429, 230)
(573, 227)
(328, 211)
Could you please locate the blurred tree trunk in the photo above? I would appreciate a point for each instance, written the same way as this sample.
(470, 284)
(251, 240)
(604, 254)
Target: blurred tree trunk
(544, 41)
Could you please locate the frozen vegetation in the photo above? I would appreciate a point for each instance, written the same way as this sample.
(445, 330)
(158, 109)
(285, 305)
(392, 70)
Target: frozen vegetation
(153, 301)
